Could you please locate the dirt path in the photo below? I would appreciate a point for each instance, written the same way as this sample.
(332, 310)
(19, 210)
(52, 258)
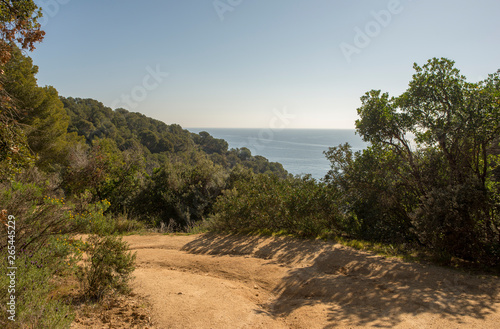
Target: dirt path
(209, 281)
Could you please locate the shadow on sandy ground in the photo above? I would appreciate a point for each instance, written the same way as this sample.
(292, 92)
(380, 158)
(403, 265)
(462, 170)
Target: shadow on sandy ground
(358, 287)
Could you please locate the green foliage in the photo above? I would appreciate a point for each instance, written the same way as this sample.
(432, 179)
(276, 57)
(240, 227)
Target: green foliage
(38, 216)
(91, 119)
(14, 151)
(44, 251)
(36, 270)
(440, 188)
(300, 206)
(108, 267)
(106, 172)
(40, 111)
(45, 227)
(15, 155)
(371, 195)
(126, 224)
(210, 144)
(158, 172)
(180, 193)
(92, 218)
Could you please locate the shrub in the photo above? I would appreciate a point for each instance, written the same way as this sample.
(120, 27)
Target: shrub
(108, 267)
(298, 205)
(452, 220)
(124, 224)
(372, 193)
(92, 220)
(37, 217)
(37, 271)
(181, 194)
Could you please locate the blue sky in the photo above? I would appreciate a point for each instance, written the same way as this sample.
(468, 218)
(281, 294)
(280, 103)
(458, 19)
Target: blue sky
(249, 63)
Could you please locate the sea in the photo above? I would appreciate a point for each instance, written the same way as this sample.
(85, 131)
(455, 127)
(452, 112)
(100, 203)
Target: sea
(300, 151)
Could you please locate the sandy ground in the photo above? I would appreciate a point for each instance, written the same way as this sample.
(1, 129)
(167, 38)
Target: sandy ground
(210, 281)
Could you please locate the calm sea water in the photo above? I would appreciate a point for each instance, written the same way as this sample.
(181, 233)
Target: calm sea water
(300, 151)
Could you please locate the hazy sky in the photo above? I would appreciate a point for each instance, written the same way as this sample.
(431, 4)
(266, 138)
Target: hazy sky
(256, 63)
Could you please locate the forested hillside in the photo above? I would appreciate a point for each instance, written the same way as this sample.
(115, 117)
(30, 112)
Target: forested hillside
(157, 140)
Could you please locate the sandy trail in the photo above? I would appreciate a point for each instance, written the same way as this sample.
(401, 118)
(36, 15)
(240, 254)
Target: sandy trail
(211, 281)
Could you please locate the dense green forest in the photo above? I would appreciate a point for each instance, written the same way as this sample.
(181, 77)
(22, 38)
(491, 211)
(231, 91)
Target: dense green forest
(429, 180)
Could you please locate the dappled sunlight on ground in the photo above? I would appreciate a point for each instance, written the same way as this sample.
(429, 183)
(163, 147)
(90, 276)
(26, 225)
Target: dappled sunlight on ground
(279, 282)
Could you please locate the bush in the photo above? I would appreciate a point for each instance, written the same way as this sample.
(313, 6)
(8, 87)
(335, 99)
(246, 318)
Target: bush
(373, 197)
(452, 220)
(45, 251)
(37, 217)
(108, 267)
(431, 172)
(37, 271)
(95, 218)
(92, 219)
(124, 224)
(180, 195)
(298, 206)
